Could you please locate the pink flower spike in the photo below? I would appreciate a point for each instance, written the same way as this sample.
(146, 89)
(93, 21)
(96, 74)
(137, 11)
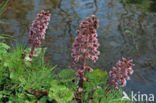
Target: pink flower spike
(119, 74)
(85, 47)
(37, 31)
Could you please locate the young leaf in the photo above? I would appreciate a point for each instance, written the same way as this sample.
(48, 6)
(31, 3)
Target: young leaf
(96, 77)
(67, 75)
(61, 93)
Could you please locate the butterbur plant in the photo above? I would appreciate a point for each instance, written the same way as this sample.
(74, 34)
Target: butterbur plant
(84, 48)
(119, 73)
(38, 30)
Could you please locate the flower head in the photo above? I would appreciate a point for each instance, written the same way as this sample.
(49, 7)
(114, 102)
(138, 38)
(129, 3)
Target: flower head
(38, 30)
(119, 74)
(86, 42)
(85, 47)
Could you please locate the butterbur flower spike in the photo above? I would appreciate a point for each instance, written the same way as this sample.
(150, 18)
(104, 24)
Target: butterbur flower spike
(38, 30)
(119, 73)
(86, 43)
(85, 47)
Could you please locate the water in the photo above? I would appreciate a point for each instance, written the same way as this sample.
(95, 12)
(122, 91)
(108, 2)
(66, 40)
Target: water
(115, 20)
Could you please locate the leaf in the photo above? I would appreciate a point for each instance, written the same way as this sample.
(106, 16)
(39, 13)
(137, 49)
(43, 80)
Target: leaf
(38, 56)
(31, 97)
(6, 92)
(67, 75)
(99, 93)
(3, 49)
(61, 93)
(1, 95)
(13, 75)
(4, 46)
(127, 31)
(5, 36)
(27, 101)
(54, 83)
(43, 100)
(2, 37)
(1, 22)
(52, 68)
(96, 77)
(10, 102)
(3, 7)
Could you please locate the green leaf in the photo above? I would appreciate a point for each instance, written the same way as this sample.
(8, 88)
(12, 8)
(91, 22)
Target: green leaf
(43, 100)
(5, 36)
(10, 102)
(4, 46)
(67, 75)
(31, 97)
(3, 7)
(2, 37)
(61, 93)
(38, 56)
(1, 95)
(54, 83)
(127, 31)
(1, 22)
(27, 101)
(97, 77)
(99, 93)
(52, 68)
(13, 75)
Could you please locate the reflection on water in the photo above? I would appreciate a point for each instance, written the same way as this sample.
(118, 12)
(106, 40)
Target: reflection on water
(115, 19)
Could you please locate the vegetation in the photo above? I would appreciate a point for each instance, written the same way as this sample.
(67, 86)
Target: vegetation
(22, 81)
(144, 5)
(3, 5)
(25, 78)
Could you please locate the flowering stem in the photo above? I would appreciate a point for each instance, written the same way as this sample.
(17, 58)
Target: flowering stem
(38, 30)
(32, 51)
(82, 74)
(85, 47)
(119, 73)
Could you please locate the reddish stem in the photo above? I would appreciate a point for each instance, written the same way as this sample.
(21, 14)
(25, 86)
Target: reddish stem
(32, 51)
(82, 74)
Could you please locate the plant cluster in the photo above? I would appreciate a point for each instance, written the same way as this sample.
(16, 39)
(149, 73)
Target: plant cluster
(25, 78)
